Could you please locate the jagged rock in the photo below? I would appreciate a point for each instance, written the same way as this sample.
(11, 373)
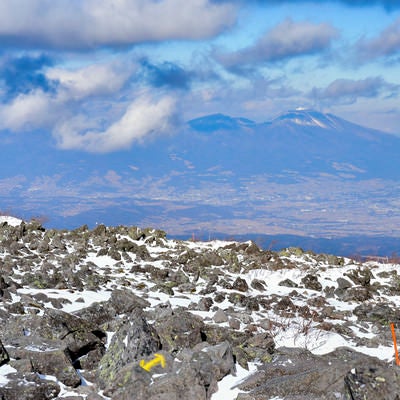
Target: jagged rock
(145, 323)
(193, 375)
(4, 357)
(382, 313)
(46, 358)
(220, 317)
(343, 283)
(28, 387)
(205, 303)
(288, 283)
(311, 282)
(358, 293)
(258, 284)
(179, 330)
(79, 337)
(124, 301)
(298, 374)
(134, 339)
(374, 381)
(240, 285)
(360, 276)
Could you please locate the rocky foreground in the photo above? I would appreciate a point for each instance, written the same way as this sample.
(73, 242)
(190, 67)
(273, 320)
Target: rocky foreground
(83, 311)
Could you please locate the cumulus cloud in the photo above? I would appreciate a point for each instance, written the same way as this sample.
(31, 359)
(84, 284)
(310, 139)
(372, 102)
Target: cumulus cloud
(82, 24)
(92, 80)
(347, 91)
(95, 108)
(288, 39)
(143, 117)
(28, 111)
(74, 90)
(385, 44)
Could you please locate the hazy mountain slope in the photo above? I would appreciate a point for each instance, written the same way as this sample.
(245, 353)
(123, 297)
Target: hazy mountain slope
(303, 173)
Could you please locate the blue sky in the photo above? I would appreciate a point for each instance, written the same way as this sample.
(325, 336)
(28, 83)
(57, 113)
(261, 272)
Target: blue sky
(100, 76)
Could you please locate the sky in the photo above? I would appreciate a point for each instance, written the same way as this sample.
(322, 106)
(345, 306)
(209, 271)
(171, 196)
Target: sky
(100, 76)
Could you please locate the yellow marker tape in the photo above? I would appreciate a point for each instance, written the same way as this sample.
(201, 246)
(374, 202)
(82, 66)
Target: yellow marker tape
(158, 359)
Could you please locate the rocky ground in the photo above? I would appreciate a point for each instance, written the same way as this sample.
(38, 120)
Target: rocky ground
(83, 311)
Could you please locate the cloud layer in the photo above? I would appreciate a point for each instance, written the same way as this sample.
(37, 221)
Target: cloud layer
(387, 43)
(143, 117)
(85, 24)
(104, 75)
(286, 40)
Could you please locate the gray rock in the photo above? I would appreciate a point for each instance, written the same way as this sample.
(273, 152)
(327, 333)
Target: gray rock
(240, 284)
(298, 374)
(179, 330)
(134, 340)
(360, 276)
(220, 317)
(374, 381)
(4, 357)
(124, 301)
(212, 363)
(205, 303)
(381, 313)
(288, 283)
(343, 283)
(46, 357)
(28, 387)
(258, 285)
(311, 282)
(193, 375)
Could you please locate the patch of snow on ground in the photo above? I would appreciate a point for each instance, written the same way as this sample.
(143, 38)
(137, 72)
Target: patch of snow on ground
(227, 386)
(10, 220)
(4, 371)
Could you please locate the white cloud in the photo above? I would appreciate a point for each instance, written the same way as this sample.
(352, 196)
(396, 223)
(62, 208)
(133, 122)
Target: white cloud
(85, 111)
(387, 43)
(92, 80)
(82, 24)
(144, 117)
(28, 111)
(286, 40)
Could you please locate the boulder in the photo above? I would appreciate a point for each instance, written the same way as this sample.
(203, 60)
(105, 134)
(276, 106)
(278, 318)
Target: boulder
(192, 375)
(311, 282)
(134, 340)
(179, 330)
(298, 374)
(45, 357)
(4, 357)
(374, 381)
(28, 387)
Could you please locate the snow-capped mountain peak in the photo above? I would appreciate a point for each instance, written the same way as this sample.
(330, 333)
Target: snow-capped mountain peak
(307, 117)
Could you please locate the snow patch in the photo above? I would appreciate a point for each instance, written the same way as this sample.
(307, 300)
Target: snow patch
(10, 220)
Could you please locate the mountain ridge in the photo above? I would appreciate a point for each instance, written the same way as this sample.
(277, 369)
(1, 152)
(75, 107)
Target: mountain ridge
(236, 176)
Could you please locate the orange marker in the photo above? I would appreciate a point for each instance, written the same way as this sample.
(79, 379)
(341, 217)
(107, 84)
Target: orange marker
(396, 353)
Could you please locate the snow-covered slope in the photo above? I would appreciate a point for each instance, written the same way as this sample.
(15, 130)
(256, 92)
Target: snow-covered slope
(10, 220)
(293, 298)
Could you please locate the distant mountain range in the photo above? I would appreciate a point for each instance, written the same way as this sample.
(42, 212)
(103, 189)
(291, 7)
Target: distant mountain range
(305, 141)
(303, 173)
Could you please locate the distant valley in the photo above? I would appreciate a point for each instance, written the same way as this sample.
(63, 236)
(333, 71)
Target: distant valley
(304, 174)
